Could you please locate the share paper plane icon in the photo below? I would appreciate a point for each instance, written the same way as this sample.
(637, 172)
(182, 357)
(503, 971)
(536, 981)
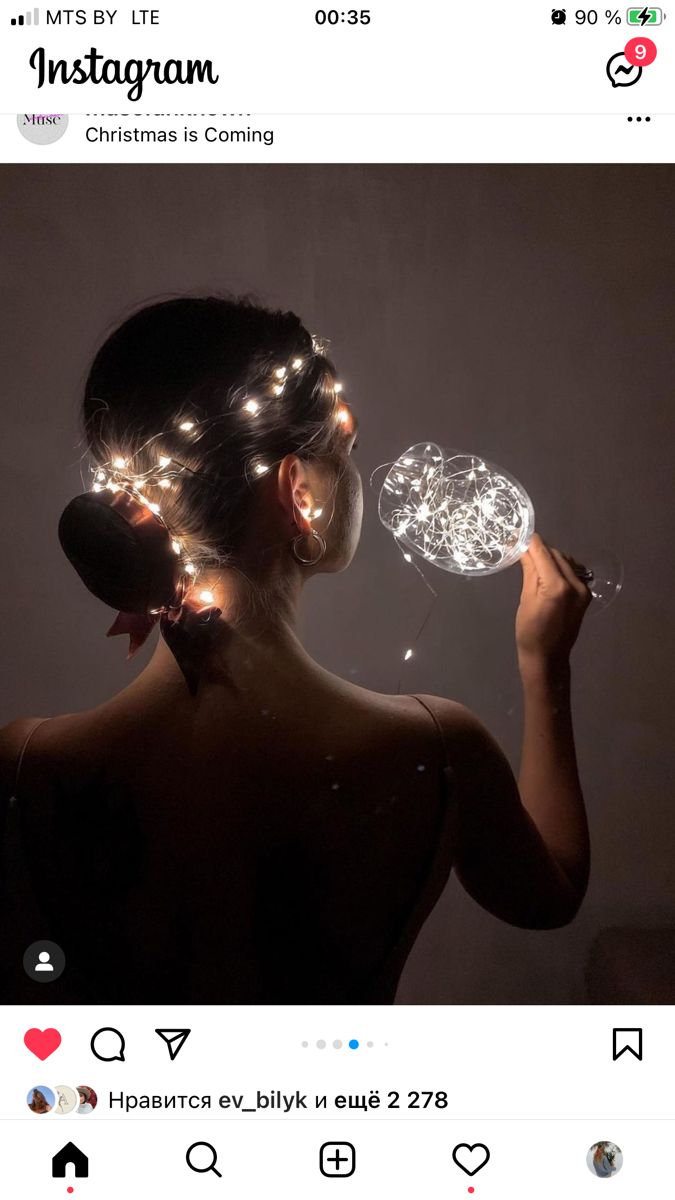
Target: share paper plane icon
(175, 1039)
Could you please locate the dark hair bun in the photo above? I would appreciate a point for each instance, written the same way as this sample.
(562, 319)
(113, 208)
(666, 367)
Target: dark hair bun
(128, 565)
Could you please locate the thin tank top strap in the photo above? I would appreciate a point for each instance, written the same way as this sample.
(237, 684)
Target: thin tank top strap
(35, 725)
(434, 874)
(448, 772)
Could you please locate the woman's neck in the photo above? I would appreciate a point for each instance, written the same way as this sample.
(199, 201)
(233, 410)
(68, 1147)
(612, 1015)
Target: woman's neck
(256, 636)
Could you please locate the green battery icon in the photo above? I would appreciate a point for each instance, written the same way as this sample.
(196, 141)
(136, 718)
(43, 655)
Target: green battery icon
(644, 16)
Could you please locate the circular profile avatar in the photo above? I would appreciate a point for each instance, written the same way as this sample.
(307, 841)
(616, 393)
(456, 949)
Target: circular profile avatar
(604, 1159)
(67, 1099)
(88, 1099)
(40, 1100)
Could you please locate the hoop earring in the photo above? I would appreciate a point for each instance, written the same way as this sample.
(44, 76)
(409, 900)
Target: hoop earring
(308, 561)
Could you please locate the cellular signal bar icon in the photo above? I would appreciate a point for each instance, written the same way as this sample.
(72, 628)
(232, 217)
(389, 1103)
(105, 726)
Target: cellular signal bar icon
(29, 18)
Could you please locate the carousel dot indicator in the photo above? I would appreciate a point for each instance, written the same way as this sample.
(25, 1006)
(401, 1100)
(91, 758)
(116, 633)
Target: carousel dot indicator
(337, 1044)
(321, 1045)
(353, 1045)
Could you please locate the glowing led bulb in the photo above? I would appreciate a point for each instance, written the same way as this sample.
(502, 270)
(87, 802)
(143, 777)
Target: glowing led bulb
(261, 469)
(278, 389)
(165, 483)
(164, 461)
(337, 388)
(207, 597)
(296, 364)
(280, 372)
(342, 415)
(175, 546)
(190, 568)
(100, 475)
(186, 426)
(408, 654)
(119, 463)
(97, 487)
(252, 407)
(152, 506)
(317, 512)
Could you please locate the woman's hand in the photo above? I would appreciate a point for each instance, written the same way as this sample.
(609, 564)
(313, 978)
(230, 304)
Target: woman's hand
(552, 606)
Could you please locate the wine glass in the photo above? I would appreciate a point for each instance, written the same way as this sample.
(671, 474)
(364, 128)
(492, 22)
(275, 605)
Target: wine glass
(470, 517)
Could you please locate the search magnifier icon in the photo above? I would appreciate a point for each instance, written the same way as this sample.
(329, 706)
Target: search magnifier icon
(202, 1159)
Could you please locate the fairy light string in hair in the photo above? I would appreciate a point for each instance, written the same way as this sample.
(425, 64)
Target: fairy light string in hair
(143, 481)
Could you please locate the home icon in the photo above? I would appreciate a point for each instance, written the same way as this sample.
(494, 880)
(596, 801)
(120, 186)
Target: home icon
(70, 1155)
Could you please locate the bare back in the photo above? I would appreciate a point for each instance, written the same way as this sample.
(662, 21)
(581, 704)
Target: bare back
(217, 851)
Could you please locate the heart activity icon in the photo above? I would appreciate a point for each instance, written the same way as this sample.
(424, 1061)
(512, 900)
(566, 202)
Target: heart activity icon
(471, 1159)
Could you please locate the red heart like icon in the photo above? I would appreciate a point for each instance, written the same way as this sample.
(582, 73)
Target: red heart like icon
(42, 1042)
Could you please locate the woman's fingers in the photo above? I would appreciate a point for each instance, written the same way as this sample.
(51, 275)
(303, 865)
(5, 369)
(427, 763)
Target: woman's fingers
(566, 565)
(544, 563)
(551, 566)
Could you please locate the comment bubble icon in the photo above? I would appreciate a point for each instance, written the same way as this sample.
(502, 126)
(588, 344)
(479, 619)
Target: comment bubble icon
(108, 1045)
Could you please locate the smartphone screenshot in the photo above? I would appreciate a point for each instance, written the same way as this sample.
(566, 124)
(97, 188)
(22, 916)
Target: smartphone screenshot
(336, 760)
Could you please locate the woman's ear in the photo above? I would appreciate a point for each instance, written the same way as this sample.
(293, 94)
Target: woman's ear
(295, 493)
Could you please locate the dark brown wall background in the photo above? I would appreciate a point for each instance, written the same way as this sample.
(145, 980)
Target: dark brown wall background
(523, 312)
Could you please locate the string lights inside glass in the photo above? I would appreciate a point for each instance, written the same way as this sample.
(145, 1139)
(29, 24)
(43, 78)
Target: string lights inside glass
(455, 510)
(470, 517)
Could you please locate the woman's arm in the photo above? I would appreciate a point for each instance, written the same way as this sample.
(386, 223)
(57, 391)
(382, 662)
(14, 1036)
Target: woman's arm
(548, 781)
(522, 849)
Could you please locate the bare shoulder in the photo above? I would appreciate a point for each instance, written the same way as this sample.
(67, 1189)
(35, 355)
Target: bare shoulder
(456, 720)
(452, 714)
(12, 740)
(470, 744)
(49, 739)
(483, 770)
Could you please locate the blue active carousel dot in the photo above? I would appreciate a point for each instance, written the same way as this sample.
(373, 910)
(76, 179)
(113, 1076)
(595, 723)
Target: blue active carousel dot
(353, 1044)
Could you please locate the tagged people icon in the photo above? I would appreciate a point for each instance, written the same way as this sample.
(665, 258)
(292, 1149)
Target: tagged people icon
(44, 961)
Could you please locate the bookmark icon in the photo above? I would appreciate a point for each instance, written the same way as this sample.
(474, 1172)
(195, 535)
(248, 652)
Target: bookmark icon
(627, 1041)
